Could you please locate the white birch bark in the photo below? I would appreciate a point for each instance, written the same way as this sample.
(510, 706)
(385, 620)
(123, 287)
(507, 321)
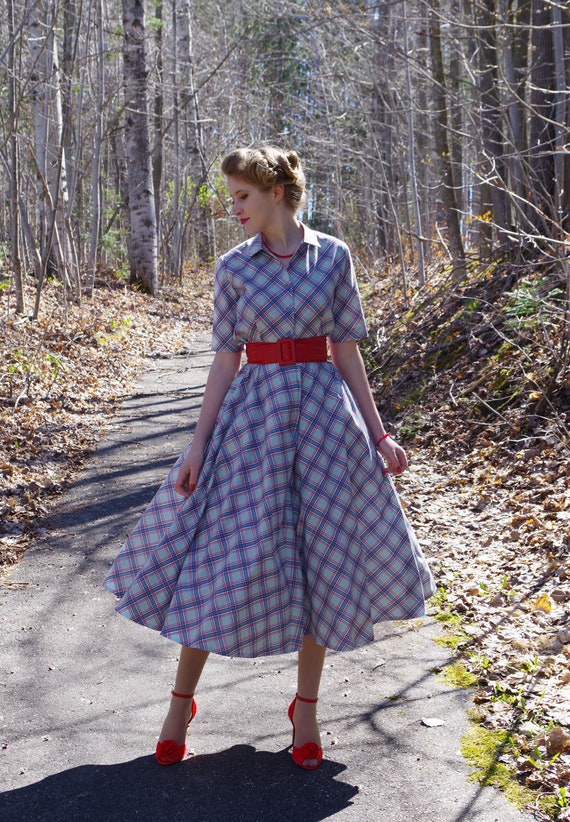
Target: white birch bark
(14, 168)
(194, 138)
(56, 245)
(143, 246)
(97, 145)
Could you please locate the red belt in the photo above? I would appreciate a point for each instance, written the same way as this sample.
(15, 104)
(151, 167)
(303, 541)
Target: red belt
(288, 351)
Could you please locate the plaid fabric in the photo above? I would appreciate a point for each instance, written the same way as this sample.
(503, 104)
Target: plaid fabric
(292, 529)
(258, 299)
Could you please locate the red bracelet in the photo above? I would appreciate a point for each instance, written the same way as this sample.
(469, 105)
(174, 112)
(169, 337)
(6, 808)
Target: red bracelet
(383, 437)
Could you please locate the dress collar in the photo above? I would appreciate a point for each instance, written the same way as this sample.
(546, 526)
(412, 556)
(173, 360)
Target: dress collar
(255, 244)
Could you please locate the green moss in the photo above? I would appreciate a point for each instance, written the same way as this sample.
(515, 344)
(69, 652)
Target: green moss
(501, 380)
(482, 748)
(477, 713)
(453, 641)
(412, 398)
(472, 307)
(438, 599)
(448, 618)
(441, 360)
(454, 636)
(458, 676)
(504, 351)
(412, 424)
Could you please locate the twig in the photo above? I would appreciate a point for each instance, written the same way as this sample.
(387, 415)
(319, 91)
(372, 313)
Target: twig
(493, 410)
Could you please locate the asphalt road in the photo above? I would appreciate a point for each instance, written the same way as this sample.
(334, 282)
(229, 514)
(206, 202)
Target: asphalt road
(83, 691)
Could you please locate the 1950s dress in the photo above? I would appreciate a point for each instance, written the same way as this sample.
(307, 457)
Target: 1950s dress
(293, 528)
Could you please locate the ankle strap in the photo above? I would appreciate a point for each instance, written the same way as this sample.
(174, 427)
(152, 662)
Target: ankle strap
(302, 699)
(182, 696)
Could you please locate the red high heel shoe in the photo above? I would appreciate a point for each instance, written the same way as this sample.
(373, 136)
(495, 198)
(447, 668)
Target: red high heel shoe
(168, 752)
(310, 750)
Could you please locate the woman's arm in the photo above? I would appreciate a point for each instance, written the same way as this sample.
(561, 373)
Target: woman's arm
(222, 372)
(347, 359)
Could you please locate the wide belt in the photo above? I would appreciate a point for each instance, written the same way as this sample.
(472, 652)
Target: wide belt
(287, 351)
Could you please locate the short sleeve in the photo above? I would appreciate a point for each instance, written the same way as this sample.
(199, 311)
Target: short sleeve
(226, 299)
(349, 322)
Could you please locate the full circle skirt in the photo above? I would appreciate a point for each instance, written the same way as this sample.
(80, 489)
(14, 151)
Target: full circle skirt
(293, 528)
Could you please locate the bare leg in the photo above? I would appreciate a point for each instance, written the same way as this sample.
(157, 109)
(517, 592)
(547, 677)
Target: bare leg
(311, 661)
(190, 666)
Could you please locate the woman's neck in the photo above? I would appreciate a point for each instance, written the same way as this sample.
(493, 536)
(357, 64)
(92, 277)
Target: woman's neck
(283, 240)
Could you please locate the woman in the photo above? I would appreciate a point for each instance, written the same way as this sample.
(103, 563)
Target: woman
(278, 529)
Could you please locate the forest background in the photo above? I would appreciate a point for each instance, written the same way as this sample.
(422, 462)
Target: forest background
(435, 136)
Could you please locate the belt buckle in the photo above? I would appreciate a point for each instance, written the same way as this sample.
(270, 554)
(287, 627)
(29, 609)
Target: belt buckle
(287, 353)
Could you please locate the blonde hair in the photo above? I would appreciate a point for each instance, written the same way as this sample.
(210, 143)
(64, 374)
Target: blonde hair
(266, 166)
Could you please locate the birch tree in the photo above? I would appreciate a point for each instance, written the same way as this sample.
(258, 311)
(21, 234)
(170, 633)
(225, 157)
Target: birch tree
(193, 132)
(143, 239)
(442, 143)
(14, 165)
(55, 238)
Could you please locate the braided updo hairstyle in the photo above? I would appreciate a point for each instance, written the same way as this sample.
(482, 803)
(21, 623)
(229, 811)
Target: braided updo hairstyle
(266, 166)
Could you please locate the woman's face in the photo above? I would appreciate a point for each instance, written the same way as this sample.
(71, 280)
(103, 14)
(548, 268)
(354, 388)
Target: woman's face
(254, 207)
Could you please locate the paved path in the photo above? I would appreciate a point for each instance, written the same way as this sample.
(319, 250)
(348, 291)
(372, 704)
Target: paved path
(83, 691)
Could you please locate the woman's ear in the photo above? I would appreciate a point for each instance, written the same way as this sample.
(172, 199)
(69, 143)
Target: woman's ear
(278, 192)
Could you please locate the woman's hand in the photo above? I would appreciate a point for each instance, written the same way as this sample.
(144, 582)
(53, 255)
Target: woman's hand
(189, 472)
(222, 372)
(394, 456)
(346, 357)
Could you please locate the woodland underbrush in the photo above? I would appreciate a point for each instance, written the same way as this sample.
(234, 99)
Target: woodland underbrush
(492, 353)
(63, 375)
(475, 378)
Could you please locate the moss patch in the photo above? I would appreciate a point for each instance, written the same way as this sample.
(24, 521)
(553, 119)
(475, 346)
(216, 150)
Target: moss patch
(458, 676)
(448, 618)
(482, 749)
(454, 636)
(453, 640)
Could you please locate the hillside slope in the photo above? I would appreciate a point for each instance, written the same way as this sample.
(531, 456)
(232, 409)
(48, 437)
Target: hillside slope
(474, 380)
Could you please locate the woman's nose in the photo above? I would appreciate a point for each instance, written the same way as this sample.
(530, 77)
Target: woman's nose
(236, 208)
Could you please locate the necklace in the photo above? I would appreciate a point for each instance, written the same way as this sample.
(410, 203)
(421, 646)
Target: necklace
(275, 254)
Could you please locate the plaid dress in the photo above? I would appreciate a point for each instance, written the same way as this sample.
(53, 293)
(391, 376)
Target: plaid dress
(293, 528)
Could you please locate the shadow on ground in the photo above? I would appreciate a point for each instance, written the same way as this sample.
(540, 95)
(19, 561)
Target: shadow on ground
(239, 784)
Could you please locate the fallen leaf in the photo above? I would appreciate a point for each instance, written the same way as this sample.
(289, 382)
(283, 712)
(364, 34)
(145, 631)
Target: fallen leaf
(543, 603)
(557, 741)
(432, 722)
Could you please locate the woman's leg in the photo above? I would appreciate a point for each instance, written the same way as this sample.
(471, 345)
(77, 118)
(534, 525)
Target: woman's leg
(311, 661)
(190, 666)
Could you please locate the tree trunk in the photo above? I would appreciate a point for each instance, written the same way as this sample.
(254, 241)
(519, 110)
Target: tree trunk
(412, 157)
(493, 201)
(561, 113)
(71, 28)
(14, 169)
(143, 244)
(514, 48)
(194, 138)
(158, 151)
(542, 133)
(56, 243)
(566, 171)
(174, 249)
(97, 146)
(442, 146)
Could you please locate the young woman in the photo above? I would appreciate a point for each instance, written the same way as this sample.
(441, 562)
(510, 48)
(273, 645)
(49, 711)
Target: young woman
(279, 528)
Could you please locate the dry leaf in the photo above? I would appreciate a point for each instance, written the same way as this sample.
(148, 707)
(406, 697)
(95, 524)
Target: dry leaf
(543, 603)
(557, 741)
